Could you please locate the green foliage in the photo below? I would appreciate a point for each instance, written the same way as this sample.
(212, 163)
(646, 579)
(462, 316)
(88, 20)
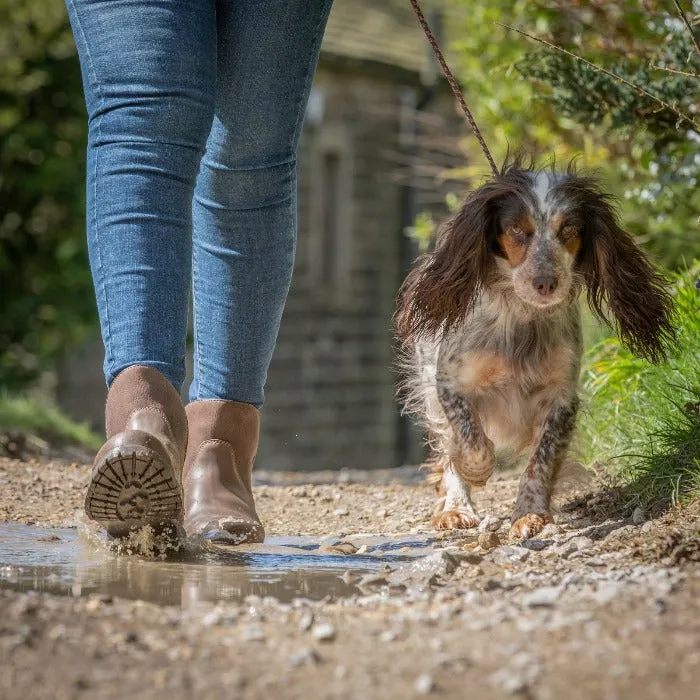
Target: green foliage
(646, 418)
(45, 293)
(422, 230)
(656, 150)
(36, 416)
(526, 96)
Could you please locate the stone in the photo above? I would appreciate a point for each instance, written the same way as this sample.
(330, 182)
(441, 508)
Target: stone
(639, 516)
(427, 570)
(550, 530)
(543, 597)
(304, 657)
(212, 618)
(306, 621)
(490, 523)
(536, 545)
(424, 684)
(467, 556)
(323, 632)
(574, 544)
(607, 590)
(511, 555)
(489, 540)
(511, 682)
(253, 634)
(339, 547)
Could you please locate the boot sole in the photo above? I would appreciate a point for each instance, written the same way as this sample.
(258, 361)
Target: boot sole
(131, 487)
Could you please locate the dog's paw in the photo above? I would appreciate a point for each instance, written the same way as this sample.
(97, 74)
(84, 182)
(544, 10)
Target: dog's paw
(475, 466)
(529, 525)
(454, 520)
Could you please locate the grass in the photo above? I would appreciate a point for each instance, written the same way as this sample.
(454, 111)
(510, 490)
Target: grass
(644, 420)
(34, 416)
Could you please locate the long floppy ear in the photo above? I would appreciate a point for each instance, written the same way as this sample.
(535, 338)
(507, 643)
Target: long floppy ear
(617, 272)
(441, 289)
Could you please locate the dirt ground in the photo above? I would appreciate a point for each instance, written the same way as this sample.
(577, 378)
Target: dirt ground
(596, 607)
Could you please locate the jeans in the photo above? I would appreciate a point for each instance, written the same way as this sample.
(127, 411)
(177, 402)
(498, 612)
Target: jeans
(194, 111)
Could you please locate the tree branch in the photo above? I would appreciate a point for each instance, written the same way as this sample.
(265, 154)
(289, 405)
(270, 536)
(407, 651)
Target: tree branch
(614, 76)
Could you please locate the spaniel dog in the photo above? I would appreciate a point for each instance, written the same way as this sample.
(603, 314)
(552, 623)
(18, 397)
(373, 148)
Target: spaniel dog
(492, 324)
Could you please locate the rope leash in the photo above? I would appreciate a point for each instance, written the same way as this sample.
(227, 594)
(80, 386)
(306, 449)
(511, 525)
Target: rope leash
(453, 85)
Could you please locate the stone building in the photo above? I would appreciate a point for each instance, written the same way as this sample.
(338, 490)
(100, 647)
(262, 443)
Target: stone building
(379, 127)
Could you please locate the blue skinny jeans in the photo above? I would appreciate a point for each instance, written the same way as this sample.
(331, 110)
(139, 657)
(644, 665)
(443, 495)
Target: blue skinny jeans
(194, 109)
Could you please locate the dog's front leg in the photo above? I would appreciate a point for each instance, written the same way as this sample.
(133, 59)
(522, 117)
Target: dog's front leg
(532, 506)
(472, 452)
(467, 459)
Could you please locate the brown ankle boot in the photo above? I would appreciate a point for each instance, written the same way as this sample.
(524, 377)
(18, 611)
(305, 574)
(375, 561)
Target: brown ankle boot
(223, 440)
(136, 478)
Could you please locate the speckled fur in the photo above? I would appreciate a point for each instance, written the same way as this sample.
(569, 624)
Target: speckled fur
(493, 362)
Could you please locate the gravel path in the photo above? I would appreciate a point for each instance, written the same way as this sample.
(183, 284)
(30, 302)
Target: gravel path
(596, 607)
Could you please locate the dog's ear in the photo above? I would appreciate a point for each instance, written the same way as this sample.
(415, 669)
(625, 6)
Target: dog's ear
(441, 289)
(619, 275)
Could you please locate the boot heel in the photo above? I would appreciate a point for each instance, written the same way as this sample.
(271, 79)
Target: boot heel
(132, 486)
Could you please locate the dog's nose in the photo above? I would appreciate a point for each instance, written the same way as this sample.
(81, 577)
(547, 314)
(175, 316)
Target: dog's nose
(545, 284)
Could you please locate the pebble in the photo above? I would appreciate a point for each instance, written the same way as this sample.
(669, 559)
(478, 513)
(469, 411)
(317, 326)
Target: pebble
(324, 632)
(339, 548)
(543, 597)
(639, 516)
(536, 545)
(306, 621)
(575, 544)
(305, 656)
(212, 618)
(93, 605)
(426, 570)
(510, 555)
(489, 540)
(424, 684)
(467, 556)
(607, 590)
(659, 606)
(511, 682)
(550, 530)
(253, 634)
(341, 512)
(490, 524)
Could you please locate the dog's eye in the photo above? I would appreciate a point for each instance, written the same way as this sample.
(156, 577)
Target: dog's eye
(518, 234)
(568, 232)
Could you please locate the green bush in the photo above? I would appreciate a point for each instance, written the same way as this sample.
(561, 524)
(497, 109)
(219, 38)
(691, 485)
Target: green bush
(45, 291)
(34, 416)
(643, 419)
(529, 96)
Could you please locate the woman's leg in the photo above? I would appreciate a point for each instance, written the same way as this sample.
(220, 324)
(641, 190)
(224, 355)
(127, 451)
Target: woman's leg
(245, 199)
(149, 71)
(244, 237)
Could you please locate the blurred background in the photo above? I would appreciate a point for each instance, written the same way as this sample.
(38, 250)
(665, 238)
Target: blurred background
(384, 155)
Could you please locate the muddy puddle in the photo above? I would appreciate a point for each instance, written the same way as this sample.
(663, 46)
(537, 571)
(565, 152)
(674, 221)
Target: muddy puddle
(64, 562)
